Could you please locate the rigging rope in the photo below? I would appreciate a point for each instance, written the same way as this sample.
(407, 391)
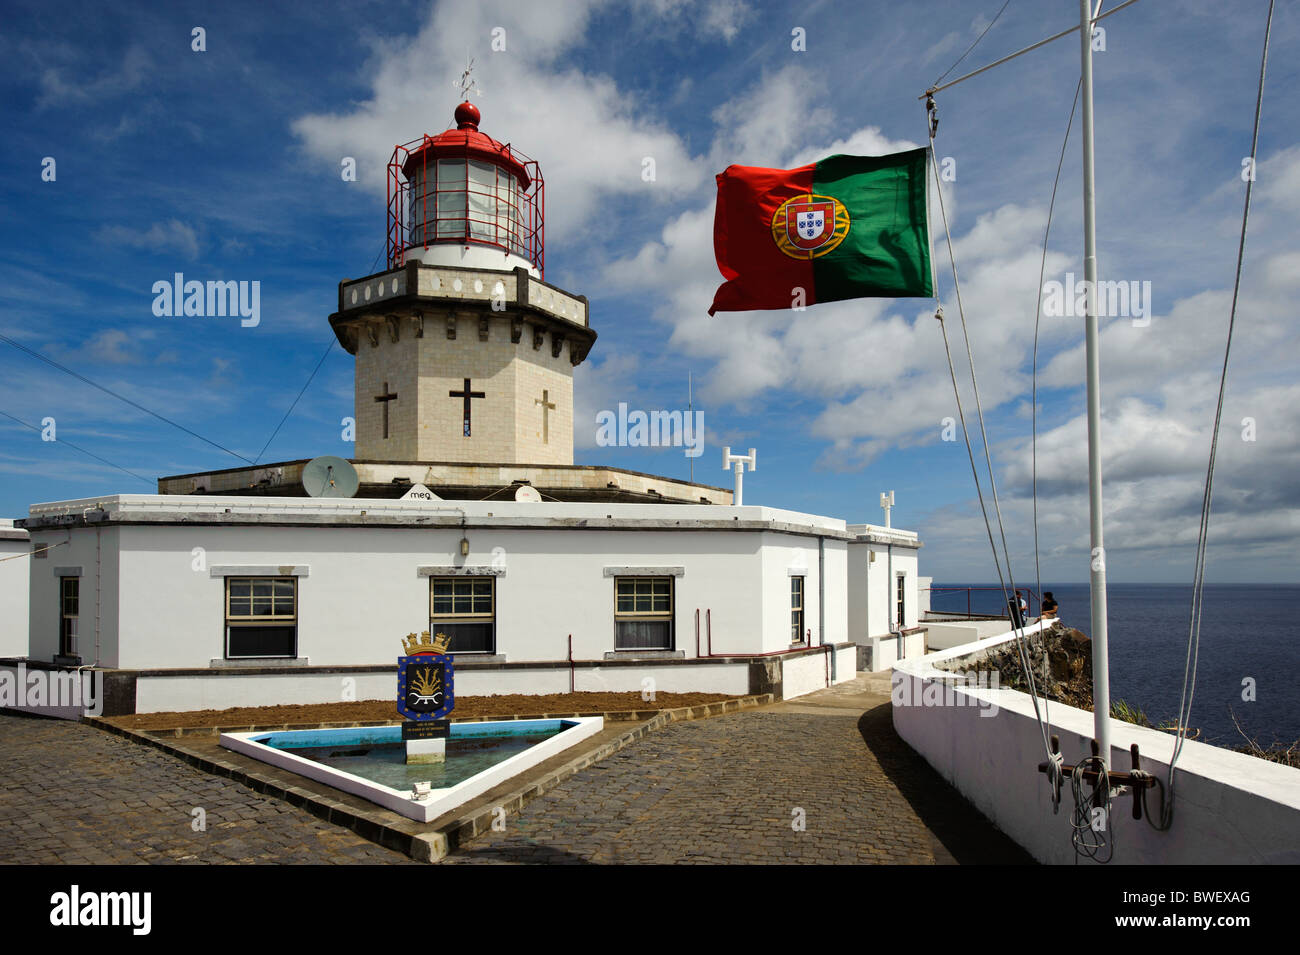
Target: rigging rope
(1202, 540)
(1088, 840)
(1017, 624)
(1038, 313)
(971, 47)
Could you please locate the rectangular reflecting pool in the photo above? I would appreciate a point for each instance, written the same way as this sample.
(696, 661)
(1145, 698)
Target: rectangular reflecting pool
(371, 761)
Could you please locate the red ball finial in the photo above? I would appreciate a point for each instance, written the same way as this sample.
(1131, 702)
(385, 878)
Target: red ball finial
(467, 116)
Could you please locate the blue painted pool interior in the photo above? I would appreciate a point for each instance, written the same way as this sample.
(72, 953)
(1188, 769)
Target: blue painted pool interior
(374, 735)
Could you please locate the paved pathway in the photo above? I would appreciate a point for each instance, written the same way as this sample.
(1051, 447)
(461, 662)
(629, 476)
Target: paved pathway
(822, 778)
(72, 793)
(736, 788)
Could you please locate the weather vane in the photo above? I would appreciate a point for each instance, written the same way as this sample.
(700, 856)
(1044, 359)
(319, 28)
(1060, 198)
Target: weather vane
(467, 84)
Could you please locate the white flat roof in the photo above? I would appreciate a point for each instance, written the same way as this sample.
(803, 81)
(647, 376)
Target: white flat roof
(241, 509)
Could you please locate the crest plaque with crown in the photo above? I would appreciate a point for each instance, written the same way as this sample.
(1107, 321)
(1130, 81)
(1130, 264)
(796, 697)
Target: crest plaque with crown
(425, 678)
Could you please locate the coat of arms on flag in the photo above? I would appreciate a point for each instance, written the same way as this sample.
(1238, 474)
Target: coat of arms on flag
(808, 226)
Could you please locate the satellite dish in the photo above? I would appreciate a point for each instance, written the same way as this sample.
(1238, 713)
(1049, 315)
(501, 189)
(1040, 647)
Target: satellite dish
(328, 476)
(528, 494)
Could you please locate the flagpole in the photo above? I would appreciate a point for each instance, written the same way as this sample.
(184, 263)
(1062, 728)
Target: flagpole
(1097, 558)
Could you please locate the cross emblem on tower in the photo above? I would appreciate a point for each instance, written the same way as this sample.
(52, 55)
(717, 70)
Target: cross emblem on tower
(384, 399)
(547, 407)
(467, 394)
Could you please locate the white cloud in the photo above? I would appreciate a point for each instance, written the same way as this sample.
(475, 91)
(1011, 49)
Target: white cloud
(57, 90)
(172, 236)
(589, 136)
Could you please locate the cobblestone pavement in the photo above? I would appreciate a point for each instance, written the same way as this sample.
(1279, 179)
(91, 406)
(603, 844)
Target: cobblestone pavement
(822, 778)
(72, 793)
(735, 788)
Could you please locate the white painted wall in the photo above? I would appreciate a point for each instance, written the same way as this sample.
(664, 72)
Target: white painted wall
(159, 694)
(87, 548)
(783, 557)
(1231, 808)
(956, 633)
(361, 591)
(887, 650)
(803, 675)
(14, 590)
(871, 594)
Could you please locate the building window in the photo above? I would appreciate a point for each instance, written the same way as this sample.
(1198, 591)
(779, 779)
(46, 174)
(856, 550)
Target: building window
(464, 608)
(261, 616)
(901, 608)
(69, 611)
(796, 610)
(643, 613)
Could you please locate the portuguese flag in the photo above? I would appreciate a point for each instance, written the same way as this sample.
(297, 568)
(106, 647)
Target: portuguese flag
(845, 227)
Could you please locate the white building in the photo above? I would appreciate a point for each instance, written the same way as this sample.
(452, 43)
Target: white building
(233, 587)
(216, 602)
(884, 595)
(14, 571)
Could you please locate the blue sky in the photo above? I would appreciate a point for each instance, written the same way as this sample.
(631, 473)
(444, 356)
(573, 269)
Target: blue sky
(225, 164)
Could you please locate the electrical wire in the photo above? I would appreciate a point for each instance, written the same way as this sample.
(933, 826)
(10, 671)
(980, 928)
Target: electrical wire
(301, 392)
(77, 447)
(108, 391)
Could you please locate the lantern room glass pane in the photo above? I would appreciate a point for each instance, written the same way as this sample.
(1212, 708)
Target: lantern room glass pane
(508, 224)
(451, 215)
(451, 173)
(482, 201)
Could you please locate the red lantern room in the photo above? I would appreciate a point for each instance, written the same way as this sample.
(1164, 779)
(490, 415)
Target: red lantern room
(463, 199)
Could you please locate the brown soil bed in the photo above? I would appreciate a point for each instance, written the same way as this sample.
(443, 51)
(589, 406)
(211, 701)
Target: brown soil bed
(369, 711)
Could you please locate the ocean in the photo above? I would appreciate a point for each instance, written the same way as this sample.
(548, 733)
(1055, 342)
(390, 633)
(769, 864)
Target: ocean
(1248, 632)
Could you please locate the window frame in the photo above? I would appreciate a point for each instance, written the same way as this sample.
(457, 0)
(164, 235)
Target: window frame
(69, 623)
(259, 621)
(647, 616)
(900, 599)
(452, 617)
(798, 611)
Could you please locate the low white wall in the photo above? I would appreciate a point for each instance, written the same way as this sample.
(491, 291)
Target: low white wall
(720, 678)
(846, 664)
(1230, 808)
(956, 633)
(182, 693)
(156, 694)
(884, 649)
(802, 675)
(15, 585)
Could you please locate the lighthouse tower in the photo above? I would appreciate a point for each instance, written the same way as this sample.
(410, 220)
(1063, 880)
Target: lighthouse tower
(464, 353)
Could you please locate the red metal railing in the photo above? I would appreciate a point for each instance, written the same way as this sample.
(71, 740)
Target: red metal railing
(432, 201)
(1004, 614)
